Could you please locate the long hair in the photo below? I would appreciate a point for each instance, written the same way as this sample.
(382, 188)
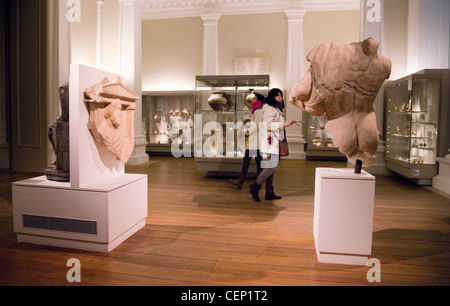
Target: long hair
(271, 98)
(260, 97)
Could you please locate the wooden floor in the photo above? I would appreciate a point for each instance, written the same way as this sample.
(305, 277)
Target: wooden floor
(203, 231)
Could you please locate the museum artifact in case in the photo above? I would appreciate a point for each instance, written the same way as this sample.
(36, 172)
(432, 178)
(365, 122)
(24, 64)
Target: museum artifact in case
(320, 143)
(416, 108)
(221, 99)
(166, 114)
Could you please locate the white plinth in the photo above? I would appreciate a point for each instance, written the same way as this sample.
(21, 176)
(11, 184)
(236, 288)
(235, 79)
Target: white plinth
(98, 217)
(343, 215)
(442, 181)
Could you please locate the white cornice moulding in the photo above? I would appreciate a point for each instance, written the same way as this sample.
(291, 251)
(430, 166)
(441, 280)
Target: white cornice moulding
(162, 9)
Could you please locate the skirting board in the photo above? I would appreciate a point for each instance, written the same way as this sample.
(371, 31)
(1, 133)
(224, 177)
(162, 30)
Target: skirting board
(94, 218)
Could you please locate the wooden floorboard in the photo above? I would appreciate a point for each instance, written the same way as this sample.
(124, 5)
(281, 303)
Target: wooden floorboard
(202, 231)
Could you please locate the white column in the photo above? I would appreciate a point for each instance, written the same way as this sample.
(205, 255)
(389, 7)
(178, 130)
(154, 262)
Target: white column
(295, 72)
(428, 35)
(412, 56)
(64, 46)
(372, 25)
(210, 44)
(130, 62)
(99, 34)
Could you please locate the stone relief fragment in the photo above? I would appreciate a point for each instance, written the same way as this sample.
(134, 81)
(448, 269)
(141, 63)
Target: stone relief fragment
(111, 116)
(343, 82)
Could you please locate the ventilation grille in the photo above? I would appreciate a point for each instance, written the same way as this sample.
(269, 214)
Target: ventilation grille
(60, 224)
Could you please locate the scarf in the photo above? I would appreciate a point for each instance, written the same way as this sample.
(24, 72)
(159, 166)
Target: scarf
(255, 105)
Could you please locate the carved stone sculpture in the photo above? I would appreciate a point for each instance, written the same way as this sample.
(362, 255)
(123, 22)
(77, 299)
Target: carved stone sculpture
(58, 134)
(111, 116)
(343, 82)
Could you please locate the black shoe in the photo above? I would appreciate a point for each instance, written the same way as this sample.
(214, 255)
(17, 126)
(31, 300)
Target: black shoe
(270, 195)
(254, 189)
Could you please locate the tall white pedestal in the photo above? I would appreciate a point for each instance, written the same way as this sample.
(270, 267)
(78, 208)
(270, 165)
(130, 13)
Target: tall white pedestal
(343, 215)
(100, 207)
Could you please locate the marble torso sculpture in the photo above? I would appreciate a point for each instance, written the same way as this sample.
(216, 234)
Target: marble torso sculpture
(58, 134)
(111, 116)
(343, 82)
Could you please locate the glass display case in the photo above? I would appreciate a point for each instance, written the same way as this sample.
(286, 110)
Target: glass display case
(320, 143)
(222, 99)
(414, 112)
(166, 115)
(225, 99)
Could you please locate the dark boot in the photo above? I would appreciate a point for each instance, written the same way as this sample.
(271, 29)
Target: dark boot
(238, 182)
(254, 189)
(270, 195)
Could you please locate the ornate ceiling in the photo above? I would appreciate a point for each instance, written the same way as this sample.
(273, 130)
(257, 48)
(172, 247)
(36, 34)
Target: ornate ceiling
(156, 9)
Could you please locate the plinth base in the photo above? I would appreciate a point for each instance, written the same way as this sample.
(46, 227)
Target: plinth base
(343, 215)
(94, 218)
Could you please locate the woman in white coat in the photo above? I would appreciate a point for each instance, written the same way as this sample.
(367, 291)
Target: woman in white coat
(273, 122)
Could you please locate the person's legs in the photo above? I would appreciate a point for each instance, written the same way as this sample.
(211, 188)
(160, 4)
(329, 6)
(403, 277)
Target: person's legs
(258, 159)
(264, 176)
(270, 194)
(244, 169)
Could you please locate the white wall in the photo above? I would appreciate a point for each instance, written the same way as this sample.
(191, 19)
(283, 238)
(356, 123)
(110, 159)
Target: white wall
(172, 48)
(83, 35)
(171, 53)
(428, 34)
(256, 35)
(396, 36)
(319, 27)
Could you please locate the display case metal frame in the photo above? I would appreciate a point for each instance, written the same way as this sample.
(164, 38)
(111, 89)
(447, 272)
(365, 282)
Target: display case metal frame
(416, 124)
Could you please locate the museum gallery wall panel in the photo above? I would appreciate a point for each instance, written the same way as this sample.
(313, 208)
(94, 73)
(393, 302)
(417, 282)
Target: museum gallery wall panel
(171, 53)
(255, 35)
(172, 48)
(84, 35)
(342, 26)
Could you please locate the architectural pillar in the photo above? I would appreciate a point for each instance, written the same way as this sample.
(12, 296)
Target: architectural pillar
(428, 35)
(130, 62)
(99, 34)
(295, 72)
(372, 25)
(210, 44)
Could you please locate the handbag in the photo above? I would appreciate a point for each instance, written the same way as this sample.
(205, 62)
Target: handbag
(284, 148)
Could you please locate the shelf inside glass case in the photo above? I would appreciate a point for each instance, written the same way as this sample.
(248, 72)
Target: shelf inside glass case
(412, 120)
(167, 116)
